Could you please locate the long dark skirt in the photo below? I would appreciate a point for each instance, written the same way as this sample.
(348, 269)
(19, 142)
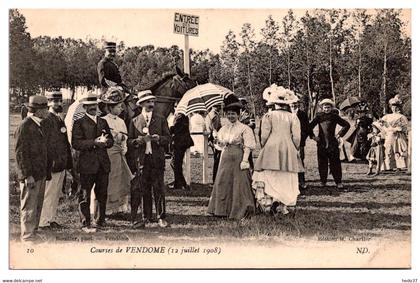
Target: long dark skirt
(232, 194)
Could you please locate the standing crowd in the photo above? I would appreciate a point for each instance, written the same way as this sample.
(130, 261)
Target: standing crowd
(122, 159)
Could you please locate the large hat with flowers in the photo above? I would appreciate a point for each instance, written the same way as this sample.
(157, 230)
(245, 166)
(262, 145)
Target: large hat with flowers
(113, 95)
(395, 100)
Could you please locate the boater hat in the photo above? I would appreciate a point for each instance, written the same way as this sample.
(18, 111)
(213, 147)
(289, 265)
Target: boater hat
(54, 95)
(144, 96)
(89, 99)
(37, 102)
(327, 101)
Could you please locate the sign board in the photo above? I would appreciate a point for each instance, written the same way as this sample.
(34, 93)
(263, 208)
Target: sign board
(186, 24)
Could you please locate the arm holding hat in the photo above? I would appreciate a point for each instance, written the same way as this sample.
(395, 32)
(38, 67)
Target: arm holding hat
(109, 142)
(79, 142)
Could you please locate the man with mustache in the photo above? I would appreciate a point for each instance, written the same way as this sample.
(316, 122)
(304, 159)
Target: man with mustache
(92, 136)
(59, 156)
(148, 136)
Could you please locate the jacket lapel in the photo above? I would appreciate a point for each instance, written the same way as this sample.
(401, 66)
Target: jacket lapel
(37, 127)
(139, 123)
(152, 124)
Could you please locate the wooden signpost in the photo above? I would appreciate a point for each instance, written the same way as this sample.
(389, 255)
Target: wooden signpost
(189, 25)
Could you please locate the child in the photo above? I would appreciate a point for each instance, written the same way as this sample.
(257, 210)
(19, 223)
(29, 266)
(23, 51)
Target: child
(327, 141)
(376, 152)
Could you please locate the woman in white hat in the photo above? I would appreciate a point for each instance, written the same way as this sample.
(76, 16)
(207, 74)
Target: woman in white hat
(120, 175)
(396, 142)
(275, 177)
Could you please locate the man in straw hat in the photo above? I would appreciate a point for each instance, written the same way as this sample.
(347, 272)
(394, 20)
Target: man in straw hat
(108, 72)
(59, 153)
(148, 137)
(32, 166)
(92, 136)
(328, 152)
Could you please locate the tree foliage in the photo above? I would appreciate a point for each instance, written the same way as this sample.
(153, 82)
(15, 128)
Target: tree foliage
(327, 53)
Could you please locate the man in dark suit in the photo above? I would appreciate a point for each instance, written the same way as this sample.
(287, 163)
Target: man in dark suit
(59, 155)
(182, 140)
(247, 118)
(297, 107)
(91, 136)
(148, 136)
(32, 166)
(213, 125)
(108, 72)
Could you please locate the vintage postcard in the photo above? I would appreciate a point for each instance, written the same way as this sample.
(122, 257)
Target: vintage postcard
(281, 139)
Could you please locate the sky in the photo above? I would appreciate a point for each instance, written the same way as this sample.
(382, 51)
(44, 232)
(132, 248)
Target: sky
(153, 26)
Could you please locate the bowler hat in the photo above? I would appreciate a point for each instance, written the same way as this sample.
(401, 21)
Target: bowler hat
(144, 96)
(37, 102)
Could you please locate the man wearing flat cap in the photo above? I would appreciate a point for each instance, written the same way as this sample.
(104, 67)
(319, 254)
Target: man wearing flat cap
(92, 136)
(59, 154)
(148, 137)
(32, 166)
(327, 141)
(108, 72)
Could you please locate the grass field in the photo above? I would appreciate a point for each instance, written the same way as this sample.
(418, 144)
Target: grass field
(377, 207)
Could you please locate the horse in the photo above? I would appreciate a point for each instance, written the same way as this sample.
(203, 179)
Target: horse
(168, 90)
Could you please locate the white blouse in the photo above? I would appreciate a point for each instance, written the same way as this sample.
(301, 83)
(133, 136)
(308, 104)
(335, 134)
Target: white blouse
(118, 130)
(238, 134)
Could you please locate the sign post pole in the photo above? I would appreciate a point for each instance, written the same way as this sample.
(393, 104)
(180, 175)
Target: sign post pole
(187, 157)
(186, 25)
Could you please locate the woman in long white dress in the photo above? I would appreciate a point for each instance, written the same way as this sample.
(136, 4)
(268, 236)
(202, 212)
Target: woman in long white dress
(120, 175)
(275, 178)
(395, 126)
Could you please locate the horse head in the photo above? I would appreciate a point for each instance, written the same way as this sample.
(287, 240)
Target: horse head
(169, 90)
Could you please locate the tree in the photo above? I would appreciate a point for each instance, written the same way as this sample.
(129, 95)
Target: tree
(387, 55)
(23, 78)
(289, 29)
(229, 56)
(271, 39)
(360, 19)
(247, 45)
